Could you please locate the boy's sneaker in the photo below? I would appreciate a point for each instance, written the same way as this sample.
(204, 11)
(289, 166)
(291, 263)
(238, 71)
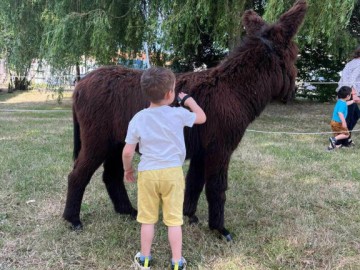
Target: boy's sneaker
(142, 262)
(330, 148)
(332, 142)
(180, 265)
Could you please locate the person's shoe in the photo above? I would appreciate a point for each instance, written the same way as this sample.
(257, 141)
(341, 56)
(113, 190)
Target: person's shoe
(142, 262)
(338, 146)
(180, 265)
(348, 143)
(332, 142)
(330, 148)
(351, 143)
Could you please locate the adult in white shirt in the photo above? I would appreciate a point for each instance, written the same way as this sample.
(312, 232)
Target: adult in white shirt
(350, 76)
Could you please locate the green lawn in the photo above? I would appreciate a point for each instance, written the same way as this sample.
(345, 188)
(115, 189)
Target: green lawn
(290, 205)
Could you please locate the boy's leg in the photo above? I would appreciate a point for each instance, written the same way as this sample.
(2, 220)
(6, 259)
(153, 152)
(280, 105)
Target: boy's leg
(341, 136)
(148, 210)
(175, 240)
(172, 191)
(147, 236)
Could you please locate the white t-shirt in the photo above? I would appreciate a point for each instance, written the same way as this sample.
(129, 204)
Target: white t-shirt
(160, 134)
(350, 75)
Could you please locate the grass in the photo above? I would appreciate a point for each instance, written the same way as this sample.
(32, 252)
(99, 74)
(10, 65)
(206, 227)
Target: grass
(290, 203)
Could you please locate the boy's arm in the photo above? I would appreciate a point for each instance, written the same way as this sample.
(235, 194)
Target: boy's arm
(127, 157)
(195, 108)
(343, 121)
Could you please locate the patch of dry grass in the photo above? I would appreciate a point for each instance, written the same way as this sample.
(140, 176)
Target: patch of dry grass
(35, 99)
(290, 203)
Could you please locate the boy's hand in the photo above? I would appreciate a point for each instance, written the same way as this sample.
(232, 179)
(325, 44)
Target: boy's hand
(127, 156)
(182, 95)
(193, 106)
(182, 98)
(129, 176)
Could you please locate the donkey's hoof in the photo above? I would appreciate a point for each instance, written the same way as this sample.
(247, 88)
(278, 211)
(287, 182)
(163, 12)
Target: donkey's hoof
(228, 238)
(127, 211)
(76, 226)
(75, 223)
(224, 232)
(193, 220)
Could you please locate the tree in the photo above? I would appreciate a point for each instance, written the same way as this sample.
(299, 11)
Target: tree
(198, 32)
(327, 22)
(316, 65)
(20, 34)
(354, 25)
(191, 27)
(189, 32)
(96, 28)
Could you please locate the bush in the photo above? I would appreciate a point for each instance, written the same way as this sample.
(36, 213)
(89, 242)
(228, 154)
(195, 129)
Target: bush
(320, 92)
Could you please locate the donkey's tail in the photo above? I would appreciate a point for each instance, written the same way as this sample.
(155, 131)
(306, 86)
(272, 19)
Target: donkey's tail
(77, 141)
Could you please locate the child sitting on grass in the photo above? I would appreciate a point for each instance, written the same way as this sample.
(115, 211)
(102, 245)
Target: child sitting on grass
(338, 122)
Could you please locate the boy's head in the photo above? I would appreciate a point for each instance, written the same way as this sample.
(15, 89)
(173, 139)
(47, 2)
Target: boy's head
(156, 82)
(343, 92)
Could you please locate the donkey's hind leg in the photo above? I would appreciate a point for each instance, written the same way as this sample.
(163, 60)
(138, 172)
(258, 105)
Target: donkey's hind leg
(216, 186)
(84, 167)
(113, 179)
(194, 185)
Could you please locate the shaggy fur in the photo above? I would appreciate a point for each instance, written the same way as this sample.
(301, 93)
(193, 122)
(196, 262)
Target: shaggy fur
(232, 95)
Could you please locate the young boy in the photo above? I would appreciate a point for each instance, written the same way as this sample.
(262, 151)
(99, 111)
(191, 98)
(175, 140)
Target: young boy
(338, 122)
(159, 131)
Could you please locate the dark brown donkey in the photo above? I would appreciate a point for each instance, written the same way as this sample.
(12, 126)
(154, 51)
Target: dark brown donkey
(232, 95)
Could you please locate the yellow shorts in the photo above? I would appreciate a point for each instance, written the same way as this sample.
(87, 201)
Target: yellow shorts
(165, 186)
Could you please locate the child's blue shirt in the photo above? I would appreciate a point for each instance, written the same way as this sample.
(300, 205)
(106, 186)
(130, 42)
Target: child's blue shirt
(340, 106)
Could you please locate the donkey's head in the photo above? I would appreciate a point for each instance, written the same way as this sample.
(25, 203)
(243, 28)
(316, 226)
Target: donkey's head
(278, 38)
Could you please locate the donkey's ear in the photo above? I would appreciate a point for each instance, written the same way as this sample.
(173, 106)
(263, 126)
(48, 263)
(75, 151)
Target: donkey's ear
(291, 20)
(252, 22)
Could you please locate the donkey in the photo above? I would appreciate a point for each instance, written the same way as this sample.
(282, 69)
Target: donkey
(232, 94)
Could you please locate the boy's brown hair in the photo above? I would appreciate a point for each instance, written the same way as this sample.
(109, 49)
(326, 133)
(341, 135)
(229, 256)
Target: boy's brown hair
(156, 82)
(344, 91)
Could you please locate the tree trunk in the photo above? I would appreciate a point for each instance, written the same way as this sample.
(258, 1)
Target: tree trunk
(18, 84)
(77, 72)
